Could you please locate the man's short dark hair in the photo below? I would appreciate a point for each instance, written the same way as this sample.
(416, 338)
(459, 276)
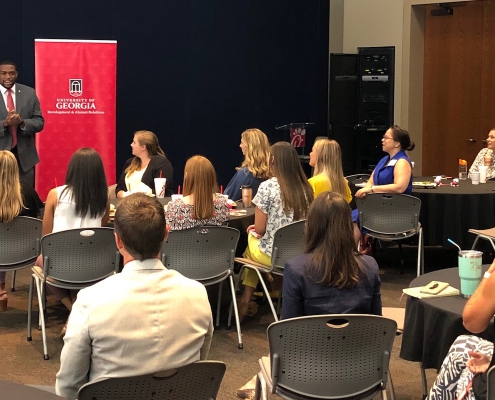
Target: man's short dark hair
(8, 62)
(140, 224)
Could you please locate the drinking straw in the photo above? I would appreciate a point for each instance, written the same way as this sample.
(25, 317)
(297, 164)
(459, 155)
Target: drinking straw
(178, 190)
(161, 173)
(454, 243)
(221, 189)
(56, 185)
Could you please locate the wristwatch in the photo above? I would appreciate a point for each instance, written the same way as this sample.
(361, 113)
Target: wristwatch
(373, 189)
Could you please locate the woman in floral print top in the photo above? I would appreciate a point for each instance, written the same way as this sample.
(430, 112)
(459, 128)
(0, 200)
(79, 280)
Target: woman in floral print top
(280, 200)
(200, 205)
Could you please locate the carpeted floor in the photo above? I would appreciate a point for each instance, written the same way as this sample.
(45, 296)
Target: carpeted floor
(23, 362)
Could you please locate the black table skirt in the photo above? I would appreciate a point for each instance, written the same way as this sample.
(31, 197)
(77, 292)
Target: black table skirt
(449, 212)
(432, 325)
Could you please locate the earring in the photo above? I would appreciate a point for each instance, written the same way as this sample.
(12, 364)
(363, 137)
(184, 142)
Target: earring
(396, 146)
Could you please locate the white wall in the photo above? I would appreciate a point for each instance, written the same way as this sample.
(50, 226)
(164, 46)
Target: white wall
(376, 23)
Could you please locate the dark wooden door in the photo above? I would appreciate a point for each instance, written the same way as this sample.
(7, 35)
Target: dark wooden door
(488, 68)
(452, 109)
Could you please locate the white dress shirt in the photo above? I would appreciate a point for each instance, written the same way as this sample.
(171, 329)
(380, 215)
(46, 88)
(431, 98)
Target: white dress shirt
(4, 95)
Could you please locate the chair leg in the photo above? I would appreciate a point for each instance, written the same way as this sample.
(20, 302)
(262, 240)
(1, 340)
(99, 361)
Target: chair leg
(236, 288)
(420, 264)
(265, 289)
(423, 381)
(476, 241)
(279, 301)
(401, 259)
(42, 317)
(30, 309)
(236, 312)
(391, 386)
(219, 301)
(12, 288)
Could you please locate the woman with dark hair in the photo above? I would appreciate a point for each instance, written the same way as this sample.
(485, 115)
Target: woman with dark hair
(17, 198)
(149, 162)
(331, 277)
(393, 173)
(199, 205)
(485, 157)
(81, 203)
(280, 200)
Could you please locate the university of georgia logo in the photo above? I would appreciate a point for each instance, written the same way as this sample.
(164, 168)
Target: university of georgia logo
(75, 87)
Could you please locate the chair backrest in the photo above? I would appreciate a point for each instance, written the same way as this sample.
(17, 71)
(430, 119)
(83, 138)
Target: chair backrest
(331, 356)
(389, 213)
(201, 253)
(19, 241)
(199, 381)
(288, 242)
(490, 384)
(80, 255)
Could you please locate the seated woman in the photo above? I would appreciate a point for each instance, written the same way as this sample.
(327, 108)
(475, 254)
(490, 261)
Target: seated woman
(280, 200)
(81, 203)
(254, 169)
(199, 205)
(149, 162)
(463, 372)
(485, 157)
(326, 159)
(393, 173)
(331, 277)
(17, 198)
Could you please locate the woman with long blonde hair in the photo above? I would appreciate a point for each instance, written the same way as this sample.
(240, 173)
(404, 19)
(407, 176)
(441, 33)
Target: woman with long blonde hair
(326, 158)
(254, 169)
(16, 198)
(199, 204)
(149, 162)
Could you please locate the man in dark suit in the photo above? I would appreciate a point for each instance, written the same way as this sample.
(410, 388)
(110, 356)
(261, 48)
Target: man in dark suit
(21, 118)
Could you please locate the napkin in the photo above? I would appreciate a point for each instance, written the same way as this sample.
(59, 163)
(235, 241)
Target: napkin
(415, 292)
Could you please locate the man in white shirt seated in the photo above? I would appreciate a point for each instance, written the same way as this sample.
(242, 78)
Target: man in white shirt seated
(143, 320)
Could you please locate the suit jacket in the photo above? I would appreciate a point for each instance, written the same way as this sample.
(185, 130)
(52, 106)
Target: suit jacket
(28, 107)
(145, 319)
(157, 163)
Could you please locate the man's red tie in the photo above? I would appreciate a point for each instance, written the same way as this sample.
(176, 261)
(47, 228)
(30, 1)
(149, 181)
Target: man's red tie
(11, 107)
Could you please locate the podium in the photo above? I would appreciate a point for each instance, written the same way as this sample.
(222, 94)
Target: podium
(296, 132)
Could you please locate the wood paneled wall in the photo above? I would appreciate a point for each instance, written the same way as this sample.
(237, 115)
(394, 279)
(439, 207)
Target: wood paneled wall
(459, 84)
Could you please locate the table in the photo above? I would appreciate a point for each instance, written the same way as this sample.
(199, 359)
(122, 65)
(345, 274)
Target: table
(239, 222)
(431, 325)
(18, 391)
(449, 212)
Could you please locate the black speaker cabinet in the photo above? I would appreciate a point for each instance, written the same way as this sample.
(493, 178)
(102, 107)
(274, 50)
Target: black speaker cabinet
(343, 106)
(376, 68)
(343, 89)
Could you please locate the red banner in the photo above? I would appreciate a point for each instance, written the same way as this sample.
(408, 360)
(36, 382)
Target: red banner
(76, 85)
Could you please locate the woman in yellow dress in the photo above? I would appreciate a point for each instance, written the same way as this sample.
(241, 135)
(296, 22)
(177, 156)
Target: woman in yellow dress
(326, 159)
